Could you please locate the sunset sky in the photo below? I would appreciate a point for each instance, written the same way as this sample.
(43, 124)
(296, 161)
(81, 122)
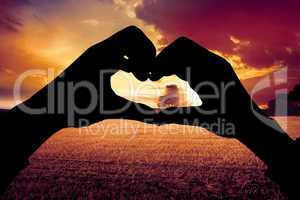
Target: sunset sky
(256, 37)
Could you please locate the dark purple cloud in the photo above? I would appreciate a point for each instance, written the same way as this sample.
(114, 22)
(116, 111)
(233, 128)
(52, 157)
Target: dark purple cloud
(9, 20)
(9, 23)
(272, 27)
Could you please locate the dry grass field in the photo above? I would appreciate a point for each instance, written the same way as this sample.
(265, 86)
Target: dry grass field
(117, 159)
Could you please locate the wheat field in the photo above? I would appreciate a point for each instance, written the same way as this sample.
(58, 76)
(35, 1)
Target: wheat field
(119, 159)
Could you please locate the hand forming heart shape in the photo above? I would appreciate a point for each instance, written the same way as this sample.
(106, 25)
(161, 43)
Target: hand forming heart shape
(90, 97)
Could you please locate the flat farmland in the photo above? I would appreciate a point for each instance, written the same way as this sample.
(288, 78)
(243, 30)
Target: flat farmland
(119, 159)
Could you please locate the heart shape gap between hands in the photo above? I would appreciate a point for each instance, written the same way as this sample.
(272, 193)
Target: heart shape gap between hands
(168, 91)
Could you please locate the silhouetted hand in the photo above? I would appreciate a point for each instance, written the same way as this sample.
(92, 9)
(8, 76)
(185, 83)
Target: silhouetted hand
(226, 104)
(83, 94)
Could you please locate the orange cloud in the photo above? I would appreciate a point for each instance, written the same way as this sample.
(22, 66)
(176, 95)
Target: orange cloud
(243, 70)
